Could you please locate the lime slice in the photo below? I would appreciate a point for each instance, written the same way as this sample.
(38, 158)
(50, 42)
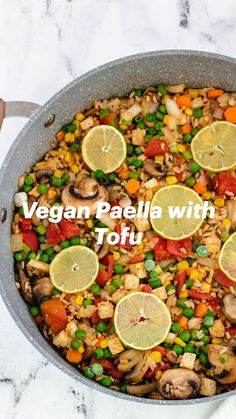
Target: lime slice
(104, 148)
(175, 196)
(227, 258)
(214, 147)
(74, 269)
(141, 320)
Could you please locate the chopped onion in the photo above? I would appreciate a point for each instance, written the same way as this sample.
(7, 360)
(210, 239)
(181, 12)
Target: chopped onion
(207, 262)
(37, 264)
(16, 243)
(131, 112)
(194, 323)
(106, 219)
(125, 202)
(218, 113)
(165, 263)
(167, 133)
(148, 107)
(176, 88)
(172, 108)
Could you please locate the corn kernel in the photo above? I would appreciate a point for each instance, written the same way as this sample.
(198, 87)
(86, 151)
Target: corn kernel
(201, 276)
(124, 127)
(69, 137)
(183, 294)
(181, 148)
(89, 223)
(159, 159)
(156, 356)
(180, 342)
(79, 300)
(188, 111)
(171, 180)
(183, 265)
(193, 93)
(58, 173)
(79, 116)
(81, 349)
(217, 341)
(77, 133)
(206, 268)
(75, 122)
(74, 169)
(226, 223)
(51, 194)
(103, 344)
(140, 247)
(219, 202)
(158, 375)
(116, 255)
(194, 274)
(207, 195)
(67, 157)
(17, 218)
(206, 287)
(166, 283)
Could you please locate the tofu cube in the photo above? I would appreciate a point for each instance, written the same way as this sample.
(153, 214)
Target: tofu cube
(131, 282)
(117, 295)
(208, 387)
(138, 137)
(188, 360)
(62, 339)
(115, 345)
(138, 269)
(105, 310)
(218, 329)
(160, 293)
(142, 224)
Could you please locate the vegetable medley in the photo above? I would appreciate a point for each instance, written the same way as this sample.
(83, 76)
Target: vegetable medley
(198, 355)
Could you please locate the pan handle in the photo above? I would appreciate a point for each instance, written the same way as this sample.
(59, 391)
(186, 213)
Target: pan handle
(17, 108)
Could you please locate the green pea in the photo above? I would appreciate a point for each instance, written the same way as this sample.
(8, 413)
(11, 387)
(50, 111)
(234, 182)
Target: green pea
(171, 288)
(187, 155)
(29, 180)
(148, 137)
(194, 334)
(55, 181)
(117, 282)
(42, 188)
(190, 181)
(44, 258)
(80, 334)
(106, 382)
(88, 373)
(41, 230)
(74, 147)
(197, 113)
(118, 268)
(137, 163)
(75, 241)
(150, 117)
(178, 349)
(75, 345)
(224, 358)
(195, 245)
(153, 275)
(104, 112)
(112, 177)
(99, 173)
(188, 312)
(149, 255)
(106, 353)
(189, 283)
(18, 257)
(194, 168)
(42, 239)
(55, 291)
(111, 330)
(138, 151)
(161, 89)
(49, 251)
(98, 353)
(155, 283)
(31, 256)
(152, 131)
(95, 289)
(205, 330)
(130, 150)
(97, 369)
(69, 128)
(141, 125)
(134, 175)
(26, 188)
(187, 138)
(34, 311)
(202, 251)
(159, 116)
(208, 321)
(162, 109)
(203, 358)
(189, 348)
(181, 302)
(65, 178)
(123, 388)
(185, 336)
(205, 339)
(87, 303)
(101, 327)
(175, 327)
(65, 244)
(159, 125)
(194, 131)
(138, 92)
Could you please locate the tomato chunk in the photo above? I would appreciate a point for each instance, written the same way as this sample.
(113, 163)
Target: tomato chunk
(26, 224)
(108, 119)
(180, 277)
(225, 183)
(179, 248)
(55, 315)
(103, 277)
(222, 279)
(31, 239)
(198, 295)
(216, 305)
(156, 148)
(69, 229)
(160, 250)
(53, 234)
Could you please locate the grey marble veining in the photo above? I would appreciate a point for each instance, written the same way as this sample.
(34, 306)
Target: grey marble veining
(43, 46)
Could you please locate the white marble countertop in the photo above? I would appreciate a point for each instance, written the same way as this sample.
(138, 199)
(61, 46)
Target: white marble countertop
(43, 46)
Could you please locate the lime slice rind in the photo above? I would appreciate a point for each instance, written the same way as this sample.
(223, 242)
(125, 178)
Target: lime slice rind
(227, 258)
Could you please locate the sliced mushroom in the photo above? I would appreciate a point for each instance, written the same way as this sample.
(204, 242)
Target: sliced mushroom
(179, 384)
(42, 287)
(229, 307)
(134, 359)
(43, 327)
(154, 169)
(43, 174)
(141, 389)
(85, 192)
(25, 286)
(101, 250)
(224, 361)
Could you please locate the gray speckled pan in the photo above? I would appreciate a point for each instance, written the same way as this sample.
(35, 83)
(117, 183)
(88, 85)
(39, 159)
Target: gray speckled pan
(196, 69)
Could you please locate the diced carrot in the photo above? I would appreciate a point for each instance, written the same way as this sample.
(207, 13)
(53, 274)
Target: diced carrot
(200, 188)
(183, 321)
(73, 356)
(60, 136)
(186, 129)
(100, 338)
(230, 114)
(132, 186)
(120, 169)
(214, 93)
(201, 310)
(184, 100)
(189, 270)
(137, 258)
(96, 122)
(125, 174)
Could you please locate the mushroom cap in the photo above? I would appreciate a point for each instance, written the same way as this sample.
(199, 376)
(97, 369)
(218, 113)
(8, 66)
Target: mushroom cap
(179, 383)
(225, 372)
(229, 307)
(154, 169)
(85, 192)
(42, 287)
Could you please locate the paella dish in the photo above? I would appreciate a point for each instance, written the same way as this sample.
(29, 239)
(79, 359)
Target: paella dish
(154, 318)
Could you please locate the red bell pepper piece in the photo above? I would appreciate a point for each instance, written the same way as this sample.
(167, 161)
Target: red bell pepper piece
(222, 279)
(26, 224)
(156, 147)
(231, 330)
(31, 239)
(180, 277)
(216, 305)
(198, 295)
(147, 289)
(137, 259)
(95, 319)
(103, 277)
